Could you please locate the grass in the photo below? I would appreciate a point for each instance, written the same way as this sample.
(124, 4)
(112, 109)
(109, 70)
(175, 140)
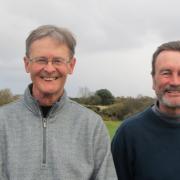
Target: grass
(112, 127)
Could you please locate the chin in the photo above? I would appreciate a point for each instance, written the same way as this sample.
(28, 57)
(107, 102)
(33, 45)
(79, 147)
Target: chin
(50, 92)
(171, 103)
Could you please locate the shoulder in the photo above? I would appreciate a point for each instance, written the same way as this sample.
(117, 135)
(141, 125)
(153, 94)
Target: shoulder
(138, 118)
(82, 110)
(10, 107)
(88, 120)
(11, 111)
(82, 115)
(135, 124)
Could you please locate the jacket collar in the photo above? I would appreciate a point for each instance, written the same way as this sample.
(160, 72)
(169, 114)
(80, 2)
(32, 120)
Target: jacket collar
(33, 105)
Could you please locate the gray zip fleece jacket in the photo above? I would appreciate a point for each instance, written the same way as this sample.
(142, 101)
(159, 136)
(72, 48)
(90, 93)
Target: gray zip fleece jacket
(70, 144)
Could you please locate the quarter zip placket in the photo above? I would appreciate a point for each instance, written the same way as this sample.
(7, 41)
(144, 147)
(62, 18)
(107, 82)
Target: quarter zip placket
(44, 125)
(44, 121)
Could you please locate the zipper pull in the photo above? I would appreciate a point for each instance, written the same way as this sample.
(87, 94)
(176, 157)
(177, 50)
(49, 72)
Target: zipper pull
(44, 123)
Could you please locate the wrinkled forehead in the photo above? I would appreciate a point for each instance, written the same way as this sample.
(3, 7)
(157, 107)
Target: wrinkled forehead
(167, 59)
(48, 44)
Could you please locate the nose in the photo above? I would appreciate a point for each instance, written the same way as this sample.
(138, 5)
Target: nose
(49, 67)
(175, 80)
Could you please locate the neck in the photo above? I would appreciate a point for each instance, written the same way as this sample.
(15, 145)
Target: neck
(46, 99)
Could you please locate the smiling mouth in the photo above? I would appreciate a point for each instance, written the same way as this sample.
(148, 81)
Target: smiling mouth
(49, 78)
(172, 91)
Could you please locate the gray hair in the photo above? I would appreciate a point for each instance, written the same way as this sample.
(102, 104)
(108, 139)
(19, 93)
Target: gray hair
(169, 46)
(61, 35)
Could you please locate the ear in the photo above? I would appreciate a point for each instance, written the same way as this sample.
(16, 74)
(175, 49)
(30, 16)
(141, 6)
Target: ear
(26, 64)
(72, 65)
(153, 82)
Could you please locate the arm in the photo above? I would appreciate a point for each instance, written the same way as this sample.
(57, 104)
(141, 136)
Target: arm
(104, 166)
(122, 155)
(2, 156)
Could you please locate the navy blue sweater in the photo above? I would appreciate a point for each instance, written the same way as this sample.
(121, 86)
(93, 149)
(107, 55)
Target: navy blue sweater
(147, 147)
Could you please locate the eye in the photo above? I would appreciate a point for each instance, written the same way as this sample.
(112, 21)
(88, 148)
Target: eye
(41, 60)
(59, 61)
(165, 73)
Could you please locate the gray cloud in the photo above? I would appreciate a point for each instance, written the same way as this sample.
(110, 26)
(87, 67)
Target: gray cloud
(116, 39)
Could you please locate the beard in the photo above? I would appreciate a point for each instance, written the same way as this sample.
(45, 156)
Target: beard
(166, 101)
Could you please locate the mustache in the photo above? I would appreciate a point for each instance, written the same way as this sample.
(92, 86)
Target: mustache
(171, 88)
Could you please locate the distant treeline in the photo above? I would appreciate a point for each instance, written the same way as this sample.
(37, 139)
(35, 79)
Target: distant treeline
(114, 108)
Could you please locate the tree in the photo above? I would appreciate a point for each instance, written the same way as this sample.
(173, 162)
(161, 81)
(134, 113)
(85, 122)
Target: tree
(5, 96)
(106, 96)
(94, 100)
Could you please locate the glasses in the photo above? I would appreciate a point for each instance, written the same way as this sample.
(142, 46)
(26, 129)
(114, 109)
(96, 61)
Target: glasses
(43, 61)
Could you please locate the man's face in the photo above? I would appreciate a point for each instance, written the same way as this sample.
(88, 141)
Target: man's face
(48, 79)
(166, 81)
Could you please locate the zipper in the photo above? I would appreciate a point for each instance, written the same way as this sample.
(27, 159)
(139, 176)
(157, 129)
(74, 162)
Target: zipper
(44, 124)
(44, 121)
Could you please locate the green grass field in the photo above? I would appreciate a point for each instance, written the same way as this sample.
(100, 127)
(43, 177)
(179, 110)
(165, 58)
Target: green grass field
(112, 127)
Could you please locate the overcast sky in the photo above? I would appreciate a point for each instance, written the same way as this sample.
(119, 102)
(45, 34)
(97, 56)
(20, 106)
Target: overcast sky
(115, 40)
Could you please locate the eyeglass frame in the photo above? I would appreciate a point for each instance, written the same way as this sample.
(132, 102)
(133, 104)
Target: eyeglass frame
(55, 61)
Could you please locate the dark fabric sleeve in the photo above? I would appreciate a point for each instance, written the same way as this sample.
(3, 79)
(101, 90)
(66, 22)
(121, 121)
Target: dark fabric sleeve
(122, 155)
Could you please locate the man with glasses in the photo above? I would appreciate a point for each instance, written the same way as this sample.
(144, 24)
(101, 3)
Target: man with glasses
(45, 135)
(147, 145)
